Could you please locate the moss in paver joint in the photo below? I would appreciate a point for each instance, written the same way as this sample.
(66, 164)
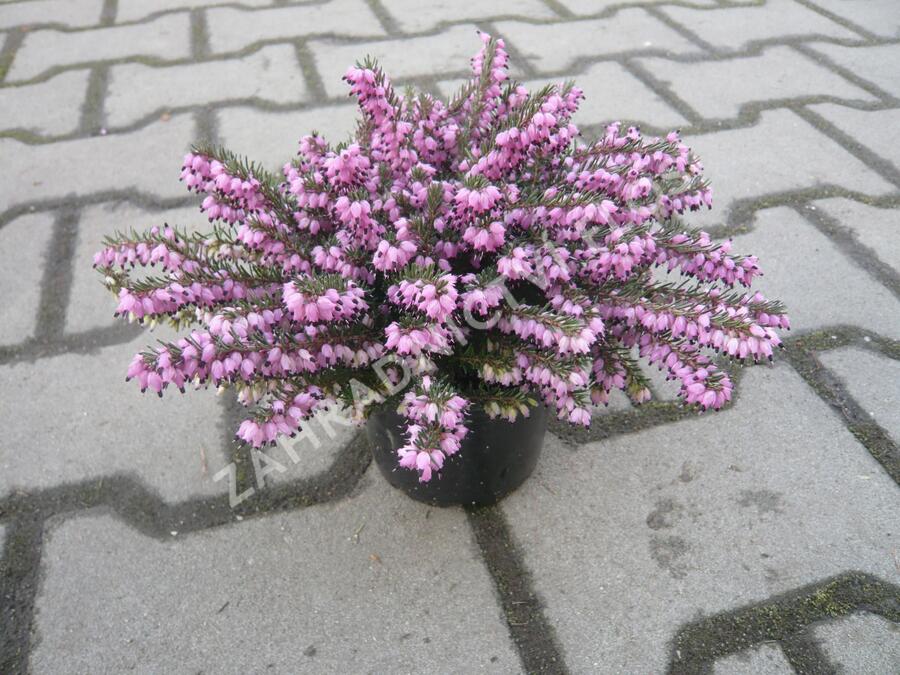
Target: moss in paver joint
(801, 353)
(11, 43)
(18, 581)
(700, 643)
(533, 635)
(199, 34)
(92, 114)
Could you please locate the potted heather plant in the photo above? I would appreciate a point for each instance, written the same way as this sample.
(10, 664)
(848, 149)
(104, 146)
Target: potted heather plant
(454, 273)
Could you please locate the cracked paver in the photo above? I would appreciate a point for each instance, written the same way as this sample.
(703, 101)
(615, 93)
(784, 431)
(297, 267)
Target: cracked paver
(761, 539)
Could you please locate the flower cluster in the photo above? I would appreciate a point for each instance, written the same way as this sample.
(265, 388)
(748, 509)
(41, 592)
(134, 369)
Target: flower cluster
(479, 245)
(436, 427)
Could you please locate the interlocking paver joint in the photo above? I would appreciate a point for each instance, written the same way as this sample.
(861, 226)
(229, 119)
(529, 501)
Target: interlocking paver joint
(795, 108)
(782, 619)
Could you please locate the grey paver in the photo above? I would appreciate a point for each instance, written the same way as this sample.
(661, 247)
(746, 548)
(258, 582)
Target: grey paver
(80, 420)
(23, 245)
(232, 29)
(66, 12)
(635, 535)
(627, 540)
(166, 38)
(134, 10)
(552, 48)
(408, 594)
(881, 17)
(874, 227)
(272, 138)
(446, 52)
(751, 162)
(718, 89)
(271, 74)
(819, 284)
(589, 7)
(48, 108)
(878, 130)
(735, 28)
(866, 62)
(147, 160)
(91, 305)
(412, 16)
(872, 380)
(611, 93)
(763, 660)
(861, 643)
(314, 449)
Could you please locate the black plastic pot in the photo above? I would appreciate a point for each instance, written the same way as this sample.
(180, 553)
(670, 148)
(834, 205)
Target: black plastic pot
(495, 458)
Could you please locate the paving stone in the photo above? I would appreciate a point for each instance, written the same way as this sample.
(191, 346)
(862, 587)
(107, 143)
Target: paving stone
(134, 10)
(91, 305)
(878, 130)
(166, 38)
(872, 380)
(232, 29)
(315, 447)
(49, 108)
(867, 62)
(375, 582)
(734, 28)
(556, 47)
(861, 643)
(23, 245)
(718, 89)
(271, 74)
(590, 7)
(80, 420)
(612, 93)
(148, 160)
(630, 538)
(272, 138)
(819, 284)
(446, 52)
(764, 660)
(881, 17)
(413, 16)
(786, 153)
(874, 227)
(65, 12)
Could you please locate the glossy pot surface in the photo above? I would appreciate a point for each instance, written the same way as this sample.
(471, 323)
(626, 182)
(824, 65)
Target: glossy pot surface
(495, 458)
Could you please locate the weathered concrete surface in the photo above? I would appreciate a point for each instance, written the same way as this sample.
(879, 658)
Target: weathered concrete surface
(296, 592)
(28, 235)
(875, 228)
(861, 643)
(270, 75)
(49, 108)
(873, 380)
(721, 89)
(793, 253)
(698, 516)
(615, 547)
(72, 418)
(272, 138)
(765, 660)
